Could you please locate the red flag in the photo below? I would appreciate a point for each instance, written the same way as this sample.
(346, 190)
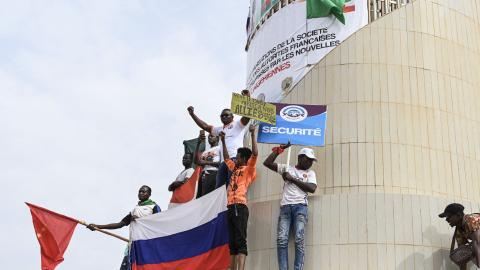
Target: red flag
(186, 192)
(54, 232)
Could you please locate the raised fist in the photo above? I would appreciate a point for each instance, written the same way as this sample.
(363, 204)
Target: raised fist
(190, 110)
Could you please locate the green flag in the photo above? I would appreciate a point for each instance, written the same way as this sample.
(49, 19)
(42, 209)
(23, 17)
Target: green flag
(323, 8)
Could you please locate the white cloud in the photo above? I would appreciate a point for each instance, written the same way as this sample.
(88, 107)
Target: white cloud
(93, 104)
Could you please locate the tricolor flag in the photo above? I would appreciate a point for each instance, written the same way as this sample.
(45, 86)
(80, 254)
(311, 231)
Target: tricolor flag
(323, 8)
(187, 191)
(191, 236)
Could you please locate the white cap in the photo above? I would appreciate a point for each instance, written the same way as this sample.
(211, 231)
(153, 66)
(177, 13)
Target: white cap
(307, 152)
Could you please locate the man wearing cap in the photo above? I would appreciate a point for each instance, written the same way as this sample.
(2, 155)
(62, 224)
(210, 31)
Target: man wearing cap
(299, 180)
(466, 228)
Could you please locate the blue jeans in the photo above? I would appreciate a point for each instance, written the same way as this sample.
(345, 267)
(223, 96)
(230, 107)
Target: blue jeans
(298, 215)
(223, 175)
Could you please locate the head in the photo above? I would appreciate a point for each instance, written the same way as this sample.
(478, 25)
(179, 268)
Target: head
(212, 140)
(243, 155)
(226, 116)
(306, 157)
(187, 160)
(453, 214)
(144, 193)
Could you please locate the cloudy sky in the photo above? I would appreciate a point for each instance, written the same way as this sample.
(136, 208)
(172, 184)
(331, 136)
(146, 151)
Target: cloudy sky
(93, 98)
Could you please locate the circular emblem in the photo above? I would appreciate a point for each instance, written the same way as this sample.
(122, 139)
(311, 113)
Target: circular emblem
(293, 113)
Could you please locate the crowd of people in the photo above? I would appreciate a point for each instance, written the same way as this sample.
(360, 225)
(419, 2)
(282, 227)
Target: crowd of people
(228, 163)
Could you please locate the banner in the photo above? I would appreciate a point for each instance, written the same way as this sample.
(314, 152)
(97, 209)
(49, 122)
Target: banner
(288, 44)
(299, 124)
(253, 108)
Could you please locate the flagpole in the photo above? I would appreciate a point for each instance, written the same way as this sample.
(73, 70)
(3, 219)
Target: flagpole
(104, 231)
(288, 155)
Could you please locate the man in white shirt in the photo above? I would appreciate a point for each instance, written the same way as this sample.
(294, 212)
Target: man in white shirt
(299, 181)
(184, 175)
(234, 132)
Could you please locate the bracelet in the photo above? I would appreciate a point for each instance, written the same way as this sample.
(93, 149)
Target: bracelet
(277, 150)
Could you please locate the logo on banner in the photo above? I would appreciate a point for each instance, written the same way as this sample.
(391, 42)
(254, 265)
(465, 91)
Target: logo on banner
(293, 113)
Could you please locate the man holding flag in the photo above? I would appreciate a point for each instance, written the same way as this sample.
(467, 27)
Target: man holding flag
(144, 208)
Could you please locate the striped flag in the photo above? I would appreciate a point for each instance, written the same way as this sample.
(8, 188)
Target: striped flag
(191, 236)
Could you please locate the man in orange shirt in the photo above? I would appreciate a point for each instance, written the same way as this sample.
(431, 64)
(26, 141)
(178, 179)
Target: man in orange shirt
(243, 174)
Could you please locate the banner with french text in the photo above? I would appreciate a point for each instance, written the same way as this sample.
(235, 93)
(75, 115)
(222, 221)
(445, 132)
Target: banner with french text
(299, 124)
(253, 108)
(288, 45)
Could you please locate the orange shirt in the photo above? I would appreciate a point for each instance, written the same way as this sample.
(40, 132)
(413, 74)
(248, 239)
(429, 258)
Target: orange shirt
(241, 179)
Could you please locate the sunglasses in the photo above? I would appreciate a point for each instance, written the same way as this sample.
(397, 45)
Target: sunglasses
(225, 115)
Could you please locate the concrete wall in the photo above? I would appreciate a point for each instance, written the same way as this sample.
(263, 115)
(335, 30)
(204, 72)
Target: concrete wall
(403, 140)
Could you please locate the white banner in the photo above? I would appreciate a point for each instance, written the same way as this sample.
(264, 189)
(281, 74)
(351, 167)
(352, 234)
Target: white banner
(287, 46)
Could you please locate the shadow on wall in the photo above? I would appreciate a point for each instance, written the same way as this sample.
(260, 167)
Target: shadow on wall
(431, 258)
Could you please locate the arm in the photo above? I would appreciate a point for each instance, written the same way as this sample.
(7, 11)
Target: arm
(307, 187)
(270, 161)
(476, 246)
(175, 185)
(112, 226)
(201, 138)
(244, 120)
(200, 123)
(254, 141)
(224, 147)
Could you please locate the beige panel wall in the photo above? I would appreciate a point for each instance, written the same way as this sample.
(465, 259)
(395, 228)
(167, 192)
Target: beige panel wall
(402, 141)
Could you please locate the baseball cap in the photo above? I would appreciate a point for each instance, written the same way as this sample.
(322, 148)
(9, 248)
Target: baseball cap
(452, 209)
(307, 152)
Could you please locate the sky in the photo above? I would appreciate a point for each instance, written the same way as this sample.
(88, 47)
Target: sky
(93, 98)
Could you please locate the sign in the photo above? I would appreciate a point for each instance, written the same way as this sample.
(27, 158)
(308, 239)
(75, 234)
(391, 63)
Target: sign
(253, 108)
(288, 45)
(301, 124)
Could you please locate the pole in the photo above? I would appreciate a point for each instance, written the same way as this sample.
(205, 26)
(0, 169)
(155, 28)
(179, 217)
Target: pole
(288, 155)
(105, 232)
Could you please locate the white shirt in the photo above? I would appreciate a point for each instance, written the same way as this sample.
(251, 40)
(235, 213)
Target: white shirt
(234, 133)
(292, 194)
(184, 174)
(212, 154)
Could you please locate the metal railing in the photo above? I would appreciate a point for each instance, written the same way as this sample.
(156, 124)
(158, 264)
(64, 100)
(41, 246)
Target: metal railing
(377, 9)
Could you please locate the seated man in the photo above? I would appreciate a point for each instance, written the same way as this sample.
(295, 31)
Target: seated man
(209, 160)
(466, 229)
(144, 207)
(184, 175)
(244, 172)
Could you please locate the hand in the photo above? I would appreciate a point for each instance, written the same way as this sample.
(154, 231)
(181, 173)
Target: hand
(287, 176)
(190, 110)
(92, 227)
(222, 136)
(252, 128)
(246, 93)
(285, 146)
(202, 136)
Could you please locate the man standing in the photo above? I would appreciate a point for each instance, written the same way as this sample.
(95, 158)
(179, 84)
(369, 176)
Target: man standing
(466, 229)
(209, 160)
(184, 175)
(144, 207)
(299, 180)
(244, 172)
(234, 133)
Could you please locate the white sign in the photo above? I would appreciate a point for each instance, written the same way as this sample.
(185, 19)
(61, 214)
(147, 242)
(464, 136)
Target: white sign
(287, 46)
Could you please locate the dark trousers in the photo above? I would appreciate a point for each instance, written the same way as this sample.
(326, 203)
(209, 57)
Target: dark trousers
(237, 218)
(223, 175)
(207, 182)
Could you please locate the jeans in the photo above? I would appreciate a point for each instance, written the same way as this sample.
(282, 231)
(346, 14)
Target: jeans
(223, 175)
(298, 215)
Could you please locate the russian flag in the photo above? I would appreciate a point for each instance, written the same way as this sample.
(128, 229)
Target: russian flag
(191, 236)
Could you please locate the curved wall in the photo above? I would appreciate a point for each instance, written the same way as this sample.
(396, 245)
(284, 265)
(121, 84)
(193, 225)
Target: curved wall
(403, 140)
